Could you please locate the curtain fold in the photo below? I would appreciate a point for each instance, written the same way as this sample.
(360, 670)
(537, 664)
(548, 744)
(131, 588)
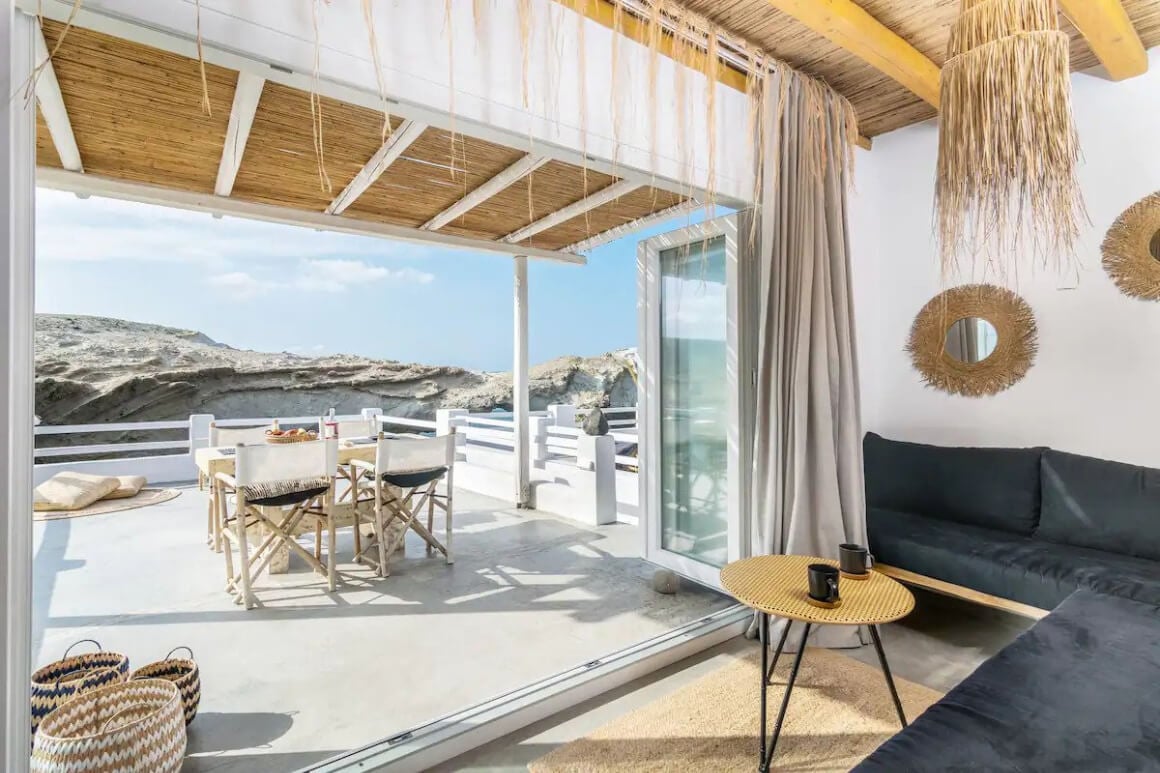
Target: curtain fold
(808, 494)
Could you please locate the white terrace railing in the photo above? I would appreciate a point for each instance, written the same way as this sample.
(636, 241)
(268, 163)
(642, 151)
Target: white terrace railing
(575, 475)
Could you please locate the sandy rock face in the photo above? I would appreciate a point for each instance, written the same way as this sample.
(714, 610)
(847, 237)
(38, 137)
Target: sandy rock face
(97, 369)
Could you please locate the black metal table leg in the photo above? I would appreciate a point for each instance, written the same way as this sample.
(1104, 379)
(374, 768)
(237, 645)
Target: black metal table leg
(886, 672)
(797, 661)
(777, 652)
(763, 637)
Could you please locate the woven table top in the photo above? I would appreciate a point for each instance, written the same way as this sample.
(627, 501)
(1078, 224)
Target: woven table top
(779, 586)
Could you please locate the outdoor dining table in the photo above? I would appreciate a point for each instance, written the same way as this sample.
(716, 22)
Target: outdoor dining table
(211, 461)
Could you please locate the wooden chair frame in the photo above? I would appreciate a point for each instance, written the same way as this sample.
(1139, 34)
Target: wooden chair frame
(280, 524)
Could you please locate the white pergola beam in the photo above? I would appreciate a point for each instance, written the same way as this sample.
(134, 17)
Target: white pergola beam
(94, 185)
(247, 94)
(612, 234)
(601, 197)
(514, 173)
(52, 108)
(395, 146)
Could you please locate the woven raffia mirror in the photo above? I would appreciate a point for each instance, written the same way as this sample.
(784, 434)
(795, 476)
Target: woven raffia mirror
(973, 340)
(1132, 250)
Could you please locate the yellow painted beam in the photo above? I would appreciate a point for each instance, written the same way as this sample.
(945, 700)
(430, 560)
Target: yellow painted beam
(604, 13)
(849, 26)
(1109, 31)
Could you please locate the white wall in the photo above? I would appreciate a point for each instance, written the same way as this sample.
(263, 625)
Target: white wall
(480, 83)
(1095, 384)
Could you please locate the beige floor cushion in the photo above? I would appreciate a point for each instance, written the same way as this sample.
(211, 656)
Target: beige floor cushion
(127, 486)
(72, 491)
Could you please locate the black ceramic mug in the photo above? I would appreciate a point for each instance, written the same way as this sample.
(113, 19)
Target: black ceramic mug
(854, 559)
(823, 583)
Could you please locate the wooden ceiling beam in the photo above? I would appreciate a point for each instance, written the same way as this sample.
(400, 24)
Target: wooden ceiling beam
(1109, 31)
(52, 107)
(586, 204)
(603, 12)
(848, 25)
(247, 94)
(404, 135)
(514, 173)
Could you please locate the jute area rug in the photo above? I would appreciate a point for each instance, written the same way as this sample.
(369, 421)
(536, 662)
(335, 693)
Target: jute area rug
(839, 713)
(145, 497)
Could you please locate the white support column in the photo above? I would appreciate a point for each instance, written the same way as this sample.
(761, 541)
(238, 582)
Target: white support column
(538, 440)
(563, 415)
(448, 420)
(520, 383)
(199, 431)
(17, 219)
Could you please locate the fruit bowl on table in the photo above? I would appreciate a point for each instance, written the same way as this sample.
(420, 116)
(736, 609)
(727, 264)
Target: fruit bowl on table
(290, 435)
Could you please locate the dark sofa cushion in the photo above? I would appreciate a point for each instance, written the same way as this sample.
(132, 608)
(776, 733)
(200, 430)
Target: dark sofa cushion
(996, 488)
(1022, 569)
(1074, 693)
(1094, 503)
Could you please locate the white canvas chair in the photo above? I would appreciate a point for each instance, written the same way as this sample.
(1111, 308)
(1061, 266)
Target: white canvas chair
(219, 437)
(400, 485)
(277, 487)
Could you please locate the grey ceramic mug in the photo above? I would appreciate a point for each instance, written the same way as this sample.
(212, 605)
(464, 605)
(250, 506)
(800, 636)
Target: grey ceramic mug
(854, 559)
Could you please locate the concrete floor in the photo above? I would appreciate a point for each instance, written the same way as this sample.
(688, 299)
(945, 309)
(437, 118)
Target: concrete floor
(938, 645)
(310, 674)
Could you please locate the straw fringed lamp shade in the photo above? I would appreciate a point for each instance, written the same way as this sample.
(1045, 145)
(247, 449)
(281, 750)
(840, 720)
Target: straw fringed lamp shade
(1131, 250)
(1012, 357)
(1008, 148)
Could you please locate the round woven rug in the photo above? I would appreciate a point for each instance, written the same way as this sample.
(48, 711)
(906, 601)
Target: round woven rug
(144, 498)
(840, 712)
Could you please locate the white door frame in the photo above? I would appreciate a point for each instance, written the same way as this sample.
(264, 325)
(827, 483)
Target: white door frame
(648, 318)
(17, 224)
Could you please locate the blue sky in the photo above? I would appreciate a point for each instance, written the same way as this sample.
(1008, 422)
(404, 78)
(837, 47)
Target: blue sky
(270, 287)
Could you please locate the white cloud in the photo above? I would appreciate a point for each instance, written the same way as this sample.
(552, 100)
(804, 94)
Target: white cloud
(332, 276)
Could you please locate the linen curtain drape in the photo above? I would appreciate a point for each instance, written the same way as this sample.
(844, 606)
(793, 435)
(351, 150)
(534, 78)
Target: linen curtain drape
(808, 494)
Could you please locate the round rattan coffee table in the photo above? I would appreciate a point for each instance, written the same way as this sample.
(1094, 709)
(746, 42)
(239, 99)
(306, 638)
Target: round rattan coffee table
(778, 586)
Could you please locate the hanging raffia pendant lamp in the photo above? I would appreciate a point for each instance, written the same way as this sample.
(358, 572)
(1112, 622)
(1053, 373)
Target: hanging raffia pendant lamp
(1007, 187)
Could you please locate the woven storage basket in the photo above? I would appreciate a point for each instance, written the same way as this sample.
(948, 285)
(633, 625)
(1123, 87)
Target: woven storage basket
(68, 677)
(132, 727)
(183, 672)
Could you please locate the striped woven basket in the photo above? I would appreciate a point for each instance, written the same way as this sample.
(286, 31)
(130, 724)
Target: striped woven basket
(132, 727)
(183, 672)
(68, 677)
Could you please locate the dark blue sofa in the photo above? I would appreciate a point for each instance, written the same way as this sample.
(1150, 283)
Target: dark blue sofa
(1080, 691)
(1028, 524)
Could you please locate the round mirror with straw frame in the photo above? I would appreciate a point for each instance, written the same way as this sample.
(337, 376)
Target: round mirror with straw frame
(973, 340)
(1131, 250)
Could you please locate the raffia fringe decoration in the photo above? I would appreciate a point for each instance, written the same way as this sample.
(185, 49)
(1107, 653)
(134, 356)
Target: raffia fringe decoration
(1131, 250)
(1008, 147)
(1014, 352)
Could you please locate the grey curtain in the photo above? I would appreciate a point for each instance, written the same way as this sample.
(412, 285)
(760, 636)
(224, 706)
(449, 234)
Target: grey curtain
(808, 494)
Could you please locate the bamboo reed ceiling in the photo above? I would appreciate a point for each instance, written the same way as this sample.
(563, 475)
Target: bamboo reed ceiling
(137, 116)
(882, 104)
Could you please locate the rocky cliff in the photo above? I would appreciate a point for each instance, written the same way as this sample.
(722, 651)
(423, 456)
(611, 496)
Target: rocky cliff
(96, 369)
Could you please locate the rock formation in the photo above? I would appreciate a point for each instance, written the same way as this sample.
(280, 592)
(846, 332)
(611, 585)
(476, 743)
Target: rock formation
(95, 369)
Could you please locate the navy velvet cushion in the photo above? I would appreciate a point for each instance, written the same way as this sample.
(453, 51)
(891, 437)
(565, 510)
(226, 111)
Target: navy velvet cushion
(1074, 693)
(1094, 503)
(996, 488)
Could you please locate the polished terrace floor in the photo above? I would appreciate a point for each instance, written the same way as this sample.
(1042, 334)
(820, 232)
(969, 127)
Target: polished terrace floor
(310, 674)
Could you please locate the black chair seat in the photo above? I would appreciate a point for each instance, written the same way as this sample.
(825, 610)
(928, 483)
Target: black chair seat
(409, 480)
(289, 497)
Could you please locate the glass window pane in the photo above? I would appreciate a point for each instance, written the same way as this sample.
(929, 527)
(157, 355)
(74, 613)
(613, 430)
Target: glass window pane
(694, 401)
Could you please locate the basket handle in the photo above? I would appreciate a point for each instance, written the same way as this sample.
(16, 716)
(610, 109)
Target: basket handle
(82, 641)
(114, 715)
(175, 649)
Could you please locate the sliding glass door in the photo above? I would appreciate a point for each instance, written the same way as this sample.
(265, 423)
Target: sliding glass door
(692, 397)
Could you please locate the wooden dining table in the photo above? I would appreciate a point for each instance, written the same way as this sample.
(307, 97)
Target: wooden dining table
(211, 461)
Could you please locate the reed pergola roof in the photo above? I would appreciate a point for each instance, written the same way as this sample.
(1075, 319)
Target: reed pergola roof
(885, 55)
(136, 116)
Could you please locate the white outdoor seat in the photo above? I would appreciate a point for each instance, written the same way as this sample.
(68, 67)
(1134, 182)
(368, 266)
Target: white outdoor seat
(400, 485)
(218, 437)
(277, 487)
